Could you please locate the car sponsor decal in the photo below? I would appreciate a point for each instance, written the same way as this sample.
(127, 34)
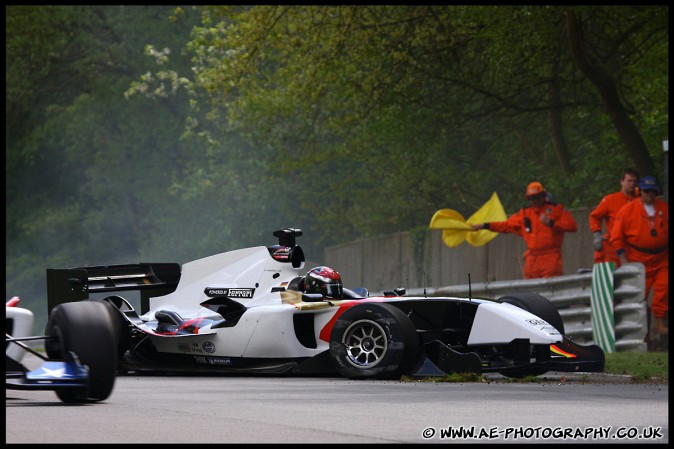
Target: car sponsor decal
(209, 347)
(229, 292)
(219, 360)
(537, 322)
(280, 253)
(559, 351)
(212, 360)
(544, 326)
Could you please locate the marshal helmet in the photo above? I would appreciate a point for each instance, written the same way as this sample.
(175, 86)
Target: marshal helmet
(534, 188)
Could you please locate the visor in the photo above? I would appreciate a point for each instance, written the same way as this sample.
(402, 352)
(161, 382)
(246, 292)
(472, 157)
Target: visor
(332, 290)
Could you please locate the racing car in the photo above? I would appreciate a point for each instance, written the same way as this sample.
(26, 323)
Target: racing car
(257, 310)
(80, 365)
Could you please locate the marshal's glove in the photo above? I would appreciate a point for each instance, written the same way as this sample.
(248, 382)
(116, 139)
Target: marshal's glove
(597, 240)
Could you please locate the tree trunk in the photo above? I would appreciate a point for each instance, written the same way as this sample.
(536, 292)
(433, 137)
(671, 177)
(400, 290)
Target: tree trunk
(608, 90)
(555, 124)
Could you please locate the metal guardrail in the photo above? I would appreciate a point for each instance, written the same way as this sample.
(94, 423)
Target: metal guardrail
(571, 295)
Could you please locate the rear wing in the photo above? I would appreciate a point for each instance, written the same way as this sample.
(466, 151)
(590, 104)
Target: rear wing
(76, 284)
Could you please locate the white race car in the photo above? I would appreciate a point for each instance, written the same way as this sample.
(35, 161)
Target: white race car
(258, 310)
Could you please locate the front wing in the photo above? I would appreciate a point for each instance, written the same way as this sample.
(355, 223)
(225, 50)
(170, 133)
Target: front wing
(50, 375)
(438, 359)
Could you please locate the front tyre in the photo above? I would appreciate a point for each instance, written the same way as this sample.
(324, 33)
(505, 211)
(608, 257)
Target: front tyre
(538, 305)
(373, 340)
(86, 329)
(543, 308)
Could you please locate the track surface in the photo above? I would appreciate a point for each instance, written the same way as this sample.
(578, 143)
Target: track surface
(176, 409)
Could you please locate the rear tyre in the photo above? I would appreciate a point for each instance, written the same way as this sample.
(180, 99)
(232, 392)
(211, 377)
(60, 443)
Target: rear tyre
(373, 340)
(538, 305)
(86, 329)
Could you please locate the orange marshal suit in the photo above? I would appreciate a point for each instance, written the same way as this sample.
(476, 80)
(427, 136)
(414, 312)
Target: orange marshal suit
(543, 257)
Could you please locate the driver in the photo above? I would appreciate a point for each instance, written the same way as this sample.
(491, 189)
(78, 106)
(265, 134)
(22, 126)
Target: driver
(324, 280)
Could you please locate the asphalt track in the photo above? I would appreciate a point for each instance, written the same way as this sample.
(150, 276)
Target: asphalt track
(176, 409)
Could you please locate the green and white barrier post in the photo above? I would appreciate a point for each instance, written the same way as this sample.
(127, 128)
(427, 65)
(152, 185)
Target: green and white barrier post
(603, 321)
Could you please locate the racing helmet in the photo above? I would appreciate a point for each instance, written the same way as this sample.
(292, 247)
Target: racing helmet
(324, 280)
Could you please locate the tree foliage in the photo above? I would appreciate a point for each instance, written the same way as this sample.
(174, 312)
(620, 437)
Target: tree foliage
(88, 172)
(421, 107)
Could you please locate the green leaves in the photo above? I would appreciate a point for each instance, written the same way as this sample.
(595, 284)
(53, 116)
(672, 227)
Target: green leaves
(495, 88)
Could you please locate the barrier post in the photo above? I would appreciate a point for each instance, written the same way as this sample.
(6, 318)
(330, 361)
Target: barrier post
(601, 300)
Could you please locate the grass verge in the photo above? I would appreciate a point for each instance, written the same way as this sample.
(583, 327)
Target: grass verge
(639, 365)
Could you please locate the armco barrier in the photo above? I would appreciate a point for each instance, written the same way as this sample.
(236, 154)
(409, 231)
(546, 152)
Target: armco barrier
(571, 295)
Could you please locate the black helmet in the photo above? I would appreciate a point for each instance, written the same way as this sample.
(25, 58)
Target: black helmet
(324, 280)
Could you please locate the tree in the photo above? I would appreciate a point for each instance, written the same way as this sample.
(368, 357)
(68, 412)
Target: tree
(89, 172)
(406, 101)
(601, 57)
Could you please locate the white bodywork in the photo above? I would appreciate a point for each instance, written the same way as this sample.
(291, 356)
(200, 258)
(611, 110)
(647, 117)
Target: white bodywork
(266, 329)
(263, 331)
(498, 323)
(245, 268)
(22, 327)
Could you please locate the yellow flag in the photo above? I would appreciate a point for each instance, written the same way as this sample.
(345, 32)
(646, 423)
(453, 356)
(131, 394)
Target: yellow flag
(456, 230)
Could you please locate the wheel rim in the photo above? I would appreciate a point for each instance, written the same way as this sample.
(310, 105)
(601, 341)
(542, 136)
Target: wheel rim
(365, 343)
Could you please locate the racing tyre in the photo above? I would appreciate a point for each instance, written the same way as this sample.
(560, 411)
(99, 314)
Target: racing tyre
(537, 304)
(543, 308)
(86, 329)
(120, 326)
(373, 340)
